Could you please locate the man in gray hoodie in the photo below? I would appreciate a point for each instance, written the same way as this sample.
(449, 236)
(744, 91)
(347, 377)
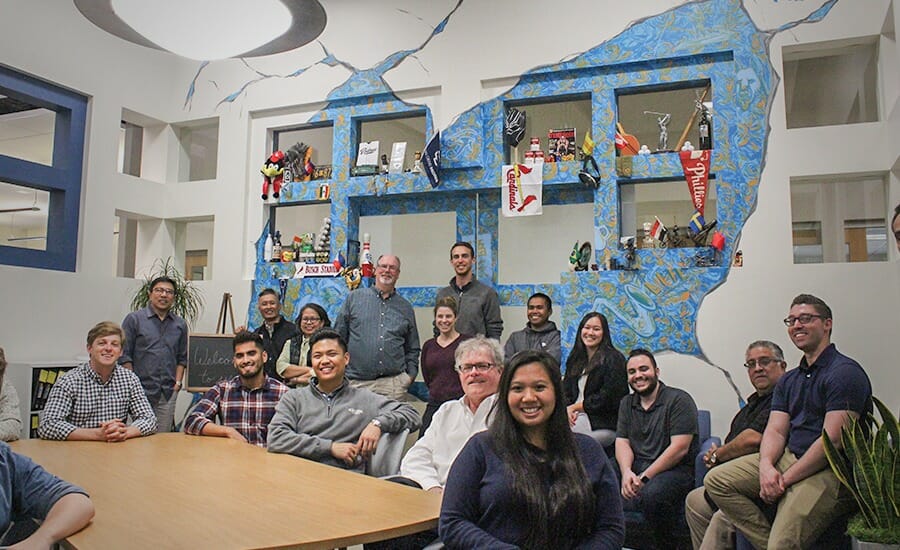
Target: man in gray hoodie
(329, 420)
(540, 333)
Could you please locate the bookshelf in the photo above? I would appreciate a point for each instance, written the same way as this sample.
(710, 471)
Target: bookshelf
(33, 383)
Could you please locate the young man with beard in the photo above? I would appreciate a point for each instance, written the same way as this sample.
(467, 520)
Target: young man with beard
(656, 442)
(479, 304)
(275, 330)
(710, 529)
(379, 326)
(540, 333)
(92, 402)
(329, 420)
(244, 404)
(826, 392)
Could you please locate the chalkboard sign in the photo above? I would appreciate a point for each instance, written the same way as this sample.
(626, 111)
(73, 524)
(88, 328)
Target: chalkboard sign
(209, 360)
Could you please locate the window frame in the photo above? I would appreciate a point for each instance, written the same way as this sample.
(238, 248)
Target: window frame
(62, 179)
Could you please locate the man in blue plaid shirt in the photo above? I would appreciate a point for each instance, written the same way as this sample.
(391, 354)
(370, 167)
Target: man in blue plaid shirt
(93, 402)
(244, 404)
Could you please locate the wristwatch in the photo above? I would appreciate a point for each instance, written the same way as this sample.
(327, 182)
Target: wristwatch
(713, 458)
(645, 479)
(377, 423)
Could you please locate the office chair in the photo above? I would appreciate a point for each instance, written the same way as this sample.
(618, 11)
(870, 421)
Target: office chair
(386, 460)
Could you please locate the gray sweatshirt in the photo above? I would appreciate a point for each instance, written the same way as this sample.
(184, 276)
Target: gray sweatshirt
(306, 421)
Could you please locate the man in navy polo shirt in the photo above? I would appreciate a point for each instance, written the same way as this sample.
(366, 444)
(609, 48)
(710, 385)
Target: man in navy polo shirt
(826, 391)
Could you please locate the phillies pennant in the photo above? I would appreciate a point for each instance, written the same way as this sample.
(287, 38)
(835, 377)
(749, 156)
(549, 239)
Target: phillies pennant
(696, 171)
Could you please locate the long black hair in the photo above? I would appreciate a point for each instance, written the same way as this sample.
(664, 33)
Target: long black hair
(551, 485)
(577, 363)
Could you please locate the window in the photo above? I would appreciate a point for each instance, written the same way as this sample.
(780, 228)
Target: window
(23, 216)
(198, 150)
(670, 201)
(387, 132)
(319, 140)
(131, 142)
(831, 83)
(26, 131)
(839, 218)
(567, 115)
(46, 162)
(642, 112)
(194, 245)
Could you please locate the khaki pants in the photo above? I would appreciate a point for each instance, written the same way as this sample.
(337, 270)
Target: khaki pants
(805, 510)
(710, 529)
(392, 387)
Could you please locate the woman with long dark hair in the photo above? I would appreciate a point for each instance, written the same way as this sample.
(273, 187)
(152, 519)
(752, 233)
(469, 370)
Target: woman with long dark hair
(595, 380)
(293, 363)
(529, 482)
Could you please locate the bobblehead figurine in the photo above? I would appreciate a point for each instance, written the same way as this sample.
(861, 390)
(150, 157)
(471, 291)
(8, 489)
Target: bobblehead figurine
(273, 174)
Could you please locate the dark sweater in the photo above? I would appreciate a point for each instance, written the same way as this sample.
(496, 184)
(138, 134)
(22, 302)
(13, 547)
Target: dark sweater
(479, 510)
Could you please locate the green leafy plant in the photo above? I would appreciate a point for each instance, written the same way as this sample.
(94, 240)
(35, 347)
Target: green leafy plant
(868, 465)
(188, 298)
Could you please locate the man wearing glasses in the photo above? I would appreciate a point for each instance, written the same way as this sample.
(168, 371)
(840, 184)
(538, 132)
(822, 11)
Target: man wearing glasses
(379, 327)
(156, 350)
(765, 366)
(479, 363)
(790, 471)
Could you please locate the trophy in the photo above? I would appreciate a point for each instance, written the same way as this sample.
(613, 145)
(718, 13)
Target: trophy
(662, 119)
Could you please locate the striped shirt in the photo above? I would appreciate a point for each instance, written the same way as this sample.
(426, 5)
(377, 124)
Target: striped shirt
(236, 406)
(81, 399)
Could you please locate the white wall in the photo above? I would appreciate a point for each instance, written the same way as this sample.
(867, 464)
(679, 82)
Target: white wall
(453, 73)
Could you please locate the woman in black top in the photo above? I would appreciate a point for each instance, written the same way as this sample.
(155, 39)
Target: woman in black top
(595, 380)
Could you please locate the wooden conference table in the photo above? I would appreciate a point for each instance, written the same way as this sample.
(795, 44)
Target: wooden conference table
(178, 491)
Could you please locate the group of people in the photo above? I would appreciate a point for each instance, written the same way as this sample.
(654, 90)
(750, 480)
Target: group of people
(523, 455)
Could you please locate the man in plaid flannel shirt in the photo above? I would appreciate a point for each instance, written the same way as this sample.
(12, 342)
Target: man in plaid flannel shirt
(244, 404)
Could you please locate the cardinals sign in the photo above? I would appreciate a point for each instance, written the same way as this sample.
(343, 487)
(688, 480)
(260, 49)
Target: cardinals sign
(522, 186)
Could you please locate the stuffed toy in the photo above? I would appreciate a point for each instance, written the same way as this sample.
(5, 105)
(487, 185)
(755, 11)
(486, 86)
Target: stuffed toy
(273, 174)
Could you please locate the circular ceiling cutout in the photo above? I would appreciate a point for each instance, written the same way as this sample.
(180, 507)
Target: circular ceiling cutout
(307, 22)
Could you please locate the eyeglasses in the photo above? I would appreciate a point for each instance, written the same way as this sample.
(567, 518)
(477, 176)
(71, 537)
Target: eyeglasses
(804, 319)
(164, 291)
(310, 319)
(468, 367)
(763, 362)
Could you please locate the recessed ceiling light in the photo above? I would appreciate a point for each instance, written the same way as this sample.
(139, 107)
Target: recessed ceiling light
(210, 29)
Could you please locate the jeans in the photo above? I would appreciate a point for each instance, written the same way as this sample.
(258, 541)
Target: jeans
(661, 501)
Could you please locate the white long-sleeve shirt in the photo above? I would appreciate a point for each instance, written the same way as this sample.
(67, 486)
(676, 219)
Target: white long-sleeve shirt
(428, 461)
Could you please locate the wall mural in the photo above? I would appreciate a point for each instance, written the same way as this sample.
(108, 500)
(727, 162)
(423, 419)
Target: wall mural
(654, 306)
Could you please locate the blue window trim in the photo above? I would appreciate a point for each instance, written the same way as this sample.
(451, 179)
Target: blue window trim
(62, 180)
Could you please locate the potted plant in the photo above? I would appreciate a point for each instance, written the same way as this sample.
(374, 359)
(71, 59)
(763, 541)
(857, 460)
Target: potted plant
(868, 466)
(188, 298)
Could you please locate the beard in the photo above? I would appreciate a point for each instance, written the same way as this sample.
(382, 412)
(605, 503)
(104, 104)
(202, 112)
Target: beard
(247, 375)
(651, 387)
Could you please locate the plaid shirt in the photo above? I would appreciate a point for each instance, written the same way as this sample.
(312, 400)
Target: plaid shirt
(247, 411)
(80, 399)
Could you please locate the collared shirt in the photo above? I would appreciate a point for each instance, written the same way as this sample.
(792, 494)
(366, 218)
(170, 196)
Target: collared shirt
(649, 432)
(80, 399)
(428, 461)
(236, 406)
(26, 489)
(273, 342)
(154, 347)
(753, 416)
(834, 382)
(381, 335)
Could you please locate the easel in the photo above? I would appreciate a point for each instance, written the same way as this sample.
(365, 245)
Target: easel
(225, 309)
